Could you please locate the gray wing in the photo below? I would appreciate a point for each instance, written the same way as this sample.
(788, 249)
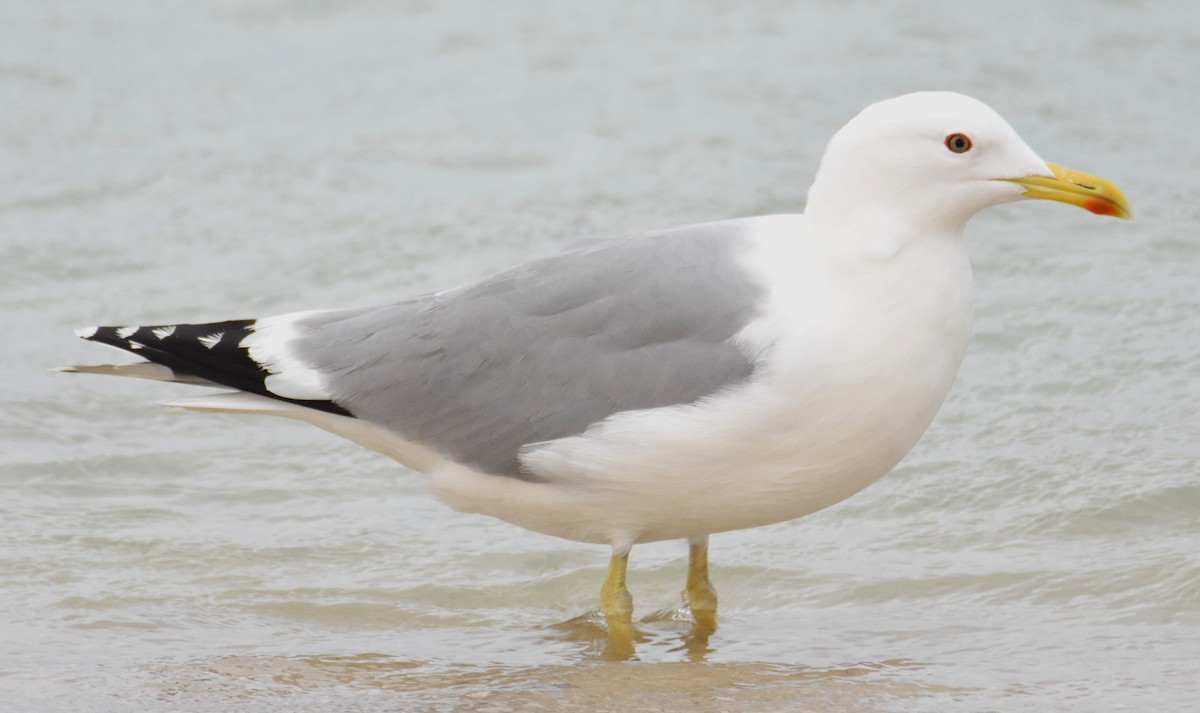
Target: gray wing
(546, 349)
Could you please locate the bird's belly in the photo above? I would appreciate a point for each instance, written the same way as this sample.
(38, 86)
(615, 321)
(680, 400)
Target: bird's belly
(797, 459)
(755, 456)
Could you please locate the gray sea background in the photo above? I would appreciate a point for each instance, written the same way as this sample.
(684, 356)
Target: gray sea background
(1039, 550)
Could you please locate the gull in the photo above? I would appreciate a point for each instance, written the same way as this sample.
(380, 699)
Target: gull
(667, 385)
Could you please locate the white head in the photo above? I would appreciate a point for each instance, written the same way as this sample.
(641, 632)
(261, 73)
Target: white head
(931, 160)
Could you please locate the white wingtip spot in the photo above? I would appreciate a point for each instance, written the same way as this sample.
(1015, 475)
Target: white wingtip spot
(164, 332)
(270, 344)
(86, 332)
(127, 332)
(210, 341)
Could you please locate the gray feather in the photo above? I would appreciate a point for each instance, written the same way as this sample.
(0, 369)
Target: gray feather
(546, 349)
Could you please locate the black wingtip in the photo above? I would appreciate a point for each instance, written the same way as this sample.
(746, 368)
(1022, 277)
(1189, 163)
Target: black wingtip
(212, 352)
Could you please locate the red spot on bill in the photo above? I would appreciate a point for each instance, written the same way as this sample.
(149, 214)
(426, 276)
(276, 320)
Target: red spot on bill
(1100, 206)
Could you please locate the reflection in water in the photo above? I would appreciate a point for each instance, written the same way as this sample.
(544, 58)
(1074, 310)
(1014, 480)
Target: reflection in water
(584, 676)
(599, 643)
(693, 686)
(693, 630)
(598, 676)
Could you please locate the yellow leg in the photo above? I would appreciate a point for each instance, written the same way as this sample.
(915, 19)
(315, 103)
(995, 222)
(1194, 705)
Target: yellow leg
(616, 603)
(699, 594)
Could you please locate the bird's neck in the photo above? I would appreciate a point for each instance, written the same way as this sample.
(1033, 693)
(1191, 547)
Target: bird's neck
(861, 221)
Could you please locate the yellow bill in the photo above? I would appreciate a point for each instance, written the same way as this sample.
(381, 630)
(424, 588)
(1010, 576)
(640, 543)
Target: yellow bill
(1089, 192)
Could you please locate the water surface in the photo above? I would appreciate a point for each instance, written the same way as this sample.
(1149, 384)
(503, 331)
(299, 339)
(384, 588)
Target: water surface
(162, 162)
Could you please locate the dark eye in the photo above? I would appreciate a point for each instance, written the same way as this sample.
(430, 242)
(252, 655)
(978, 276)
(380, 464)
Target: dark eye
(958, 143)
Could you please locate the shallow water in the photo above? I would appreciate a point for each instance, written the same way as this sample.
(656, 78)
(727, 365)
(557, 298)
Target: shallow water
(1037, 551)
